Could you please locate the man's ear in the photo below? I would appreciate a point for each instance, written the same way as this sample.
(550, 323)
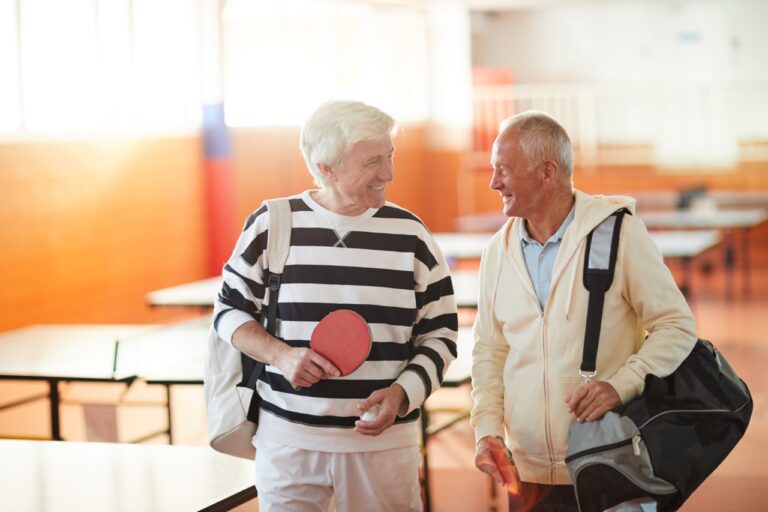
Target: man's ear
(549, 168)
(326, 171)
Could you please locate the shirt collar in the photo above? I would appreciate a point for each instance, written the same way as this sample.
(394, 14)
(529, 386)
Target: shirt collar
(525, 238)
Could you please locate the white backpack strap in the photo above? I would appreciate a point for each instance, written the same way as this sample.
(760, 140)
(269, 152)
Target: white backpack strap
(279, 237)
(278, 244)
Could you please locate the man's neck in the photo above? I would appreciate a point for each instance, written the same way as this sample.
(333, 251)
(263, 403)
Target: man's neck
(542, 227)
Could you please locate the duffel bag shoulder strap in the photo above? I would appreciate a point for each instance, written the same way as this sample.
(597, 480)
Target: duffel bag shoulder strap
(599, 267)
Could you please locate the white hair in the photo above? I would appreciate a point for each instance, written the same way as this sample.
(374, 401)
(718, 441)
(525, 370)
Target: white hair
(541, 138)
(331, 131)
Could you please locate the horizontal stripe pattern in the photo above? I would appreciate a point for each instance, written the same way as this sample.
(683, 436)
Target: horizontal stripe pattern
(356, 276)
(389, 270)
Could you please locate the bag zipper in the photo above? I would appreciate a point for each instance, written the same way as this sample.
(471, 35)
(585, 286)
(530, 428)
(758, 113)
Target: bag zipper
(693, 411)
(602, 448)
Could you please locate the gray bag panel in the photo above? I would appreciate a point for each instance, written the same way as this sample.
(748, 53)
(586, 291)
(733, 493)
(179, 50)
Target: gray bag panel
(611, 428)
(630, 458)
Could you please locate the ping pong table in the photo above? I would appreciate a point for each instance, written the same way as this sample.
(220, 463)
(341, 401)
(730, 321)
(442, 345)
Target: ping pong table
(63, 353)
(164, 355)
(200, 294)
(729, 221)
(728, 199)
(46, 476)
(685, 246)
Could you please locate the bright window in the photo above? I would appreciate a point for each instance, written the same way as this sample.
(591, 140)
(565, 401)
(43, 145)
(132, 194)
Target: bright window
(282, 59)
(99, 66)
(9, 64)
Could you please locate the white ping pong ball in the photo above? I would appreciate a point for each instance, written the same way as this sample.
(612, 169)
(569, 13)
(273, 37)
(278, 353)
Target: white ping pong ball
(370, 414)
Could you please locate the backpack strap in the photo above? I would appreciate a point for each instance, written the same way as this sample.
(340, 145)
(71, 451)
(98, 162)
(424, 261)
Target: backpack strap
(278, 245)
(599, 267)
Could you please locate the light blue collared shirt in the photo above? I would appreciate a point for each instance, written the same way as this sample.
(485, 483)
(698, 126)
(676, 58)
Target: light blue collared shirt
(540, 259)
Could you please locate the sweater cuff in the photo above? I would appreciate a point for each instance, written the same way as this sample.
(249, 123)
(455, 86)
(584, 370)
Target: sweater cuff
(414, 392)
(230, 321)
(627, 384)
(488, 428)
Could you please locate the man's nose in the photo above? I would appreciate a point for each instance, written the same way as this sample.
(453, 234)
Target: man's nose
(388, 171)
(495, 182)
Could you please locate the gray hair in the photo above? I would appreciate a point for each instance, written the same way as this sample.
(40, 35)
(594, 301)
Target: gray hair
(541, 138)
(331, 131)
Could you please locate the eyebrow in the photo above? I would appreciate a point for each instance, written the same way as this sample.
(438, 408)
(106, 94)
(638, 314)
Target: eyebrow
(376, 157)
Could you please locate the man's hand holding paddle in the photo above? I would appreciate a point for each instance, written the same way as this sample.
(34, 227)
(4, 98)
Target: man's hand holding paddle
(303, 367)
(300, 366)
(339, 344)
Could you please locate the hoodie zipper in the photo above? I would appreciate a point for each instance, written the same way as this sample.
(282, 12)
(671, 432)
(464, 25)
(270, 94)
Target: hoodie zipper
(547, 416)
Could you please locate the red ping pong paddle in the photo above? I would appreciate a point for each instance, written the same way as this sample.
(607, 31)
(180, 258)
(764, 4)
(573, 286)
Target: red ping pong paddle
(503, 459)
(344, 338)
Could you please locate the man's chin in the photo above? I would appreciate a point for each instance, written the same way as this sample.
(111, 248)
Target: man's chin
(377, 202)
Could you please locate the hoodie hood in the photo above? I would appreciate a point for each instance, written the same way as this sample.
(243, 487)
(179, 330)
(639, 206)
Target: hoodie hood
(592, 210)
(589, 212)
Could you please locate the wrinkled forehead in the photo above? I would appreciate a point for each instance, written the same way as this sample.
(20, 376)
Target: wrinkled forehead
(370, 148)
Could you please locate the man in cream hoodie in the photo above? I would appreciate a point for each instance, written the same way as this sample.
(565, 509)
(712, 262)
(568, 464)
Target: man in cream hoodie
(529, 331)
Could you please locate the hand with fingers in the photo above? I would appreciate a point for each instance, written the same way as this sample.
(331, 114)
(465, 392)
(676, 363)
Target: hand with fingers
(388, 401)
(303, 367)
(493, 458)
(592, 400)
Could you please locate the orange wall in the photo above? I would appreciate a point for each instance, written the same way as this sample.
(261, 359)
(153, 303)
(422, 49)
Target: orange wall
(89, 227)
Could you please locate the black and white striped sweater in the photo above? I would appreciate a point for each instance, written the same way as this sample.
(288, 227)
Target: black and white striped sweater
(383, 264)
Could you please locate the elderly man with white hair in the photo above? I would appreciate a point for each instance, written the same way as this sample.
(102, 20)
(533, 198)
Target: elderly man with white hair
(350, 249)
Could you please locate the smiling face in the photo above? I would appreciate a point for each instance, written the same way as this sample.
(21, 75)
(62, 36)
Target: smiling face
(520, 186)
(359, 180)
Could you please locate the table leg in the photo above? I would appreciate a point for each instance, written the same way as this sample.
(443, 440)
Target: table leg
(686, 286)
(425, 459)
(745, 270)
(170, 414)
(53, 399)
(729, 263)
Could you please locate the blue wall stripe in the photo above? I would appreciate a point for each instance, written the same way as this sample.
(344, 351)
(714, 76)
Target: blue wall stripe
(215, 133)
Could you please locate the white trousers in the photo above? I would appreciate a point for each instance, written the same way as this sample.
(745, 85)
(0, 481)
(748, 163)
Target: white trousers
(291, 479)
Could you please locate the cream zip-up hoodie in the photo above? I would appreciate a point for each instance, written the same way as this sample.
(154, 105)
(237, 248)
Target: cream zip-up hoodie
(526, 361)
